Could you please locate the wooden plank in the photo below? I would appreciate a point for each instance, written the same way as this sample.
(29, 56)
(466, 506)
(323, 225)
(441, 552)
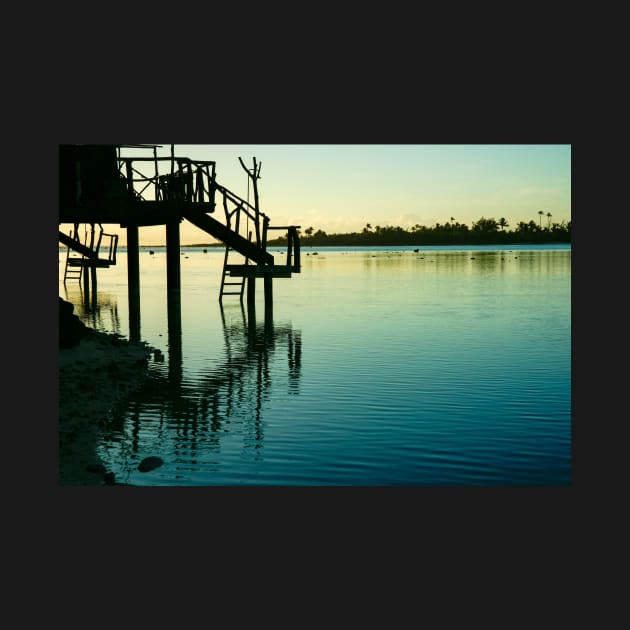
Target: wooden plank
(126, 212)
(249, 271)
(76, 245)
(88, 262)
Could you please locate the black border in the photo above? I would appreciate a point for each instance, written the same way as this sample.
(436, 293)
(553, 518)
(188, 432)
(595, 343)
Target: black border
(375, 106)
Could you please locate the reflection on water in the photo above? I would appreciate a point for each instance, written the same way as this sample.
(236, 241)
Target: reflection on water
(383, 367)
(100, 312)
(182, 417)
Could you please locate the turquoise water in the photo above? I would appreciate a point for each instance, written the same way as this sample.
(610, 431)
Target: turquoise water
(383, 366)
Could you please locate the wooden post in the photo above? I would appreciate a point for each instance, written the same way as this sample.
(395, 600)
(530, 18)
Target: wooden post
(90, 272)
(199, 184)
(289, 246)
(268, 297)
(174, 314)
(254, 174)
(264, 234)
(251, 298)
(172, 255)
(173, 295)
(93, 274)
(297, 264)
(133, 282)
(255, 177)
(86, 283)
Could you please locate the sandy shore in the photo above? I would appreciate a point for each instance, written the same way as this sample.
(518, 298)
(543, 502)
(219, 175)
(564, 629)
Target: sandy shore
(95, 376)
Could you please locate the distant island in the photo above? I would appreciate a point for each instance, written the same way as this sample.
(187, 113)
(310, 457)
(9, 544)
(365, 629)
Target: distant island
(483, 232)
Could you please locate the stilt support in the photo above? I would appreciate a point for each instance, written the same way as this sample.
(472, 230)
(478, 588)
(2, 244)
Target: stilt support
(173, 256)
(133, 282)
(268, 297)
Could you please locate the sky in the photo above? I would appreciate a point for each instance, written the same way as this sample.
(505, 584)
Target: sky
(341, 188)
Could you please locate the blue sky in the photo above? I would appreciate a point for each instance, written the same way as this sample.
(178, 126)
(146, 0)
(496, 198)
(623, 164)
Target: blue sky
(340, 188)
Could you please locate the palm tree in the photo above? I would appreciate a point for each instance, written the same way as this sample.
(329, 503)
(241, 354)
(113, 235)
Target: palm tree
(502, 223)
(540, 212)
(549, 215)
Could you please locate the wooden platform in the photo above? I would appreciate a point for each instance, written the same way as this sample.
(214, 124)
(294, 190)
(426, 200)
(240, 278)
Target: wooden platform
(265, 271)
(125, 212)
(89, 262)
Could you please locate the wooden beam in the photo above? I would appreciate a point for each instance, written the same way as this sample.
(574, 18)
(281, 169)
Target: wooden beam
(249, 271)
(77, 245)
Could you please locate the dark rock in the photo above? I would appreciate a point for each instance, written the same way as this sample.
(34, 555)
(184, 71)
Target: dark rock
(71, 328)
(149, 463)
(96, 468)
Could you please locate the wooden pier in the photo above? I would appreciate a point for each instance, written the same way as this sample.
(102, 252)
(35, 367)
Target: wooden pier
(98, 185)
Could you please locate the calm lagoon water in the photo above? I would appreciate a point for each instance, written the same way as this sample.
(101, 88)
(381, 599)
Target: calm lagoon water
(380, 366)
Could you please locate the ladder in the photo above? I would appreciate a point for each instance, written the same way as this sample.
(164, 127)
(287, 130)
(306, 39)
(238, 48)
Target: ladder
(233, 286)
(73, 272)
(74, 264)
(77, 263)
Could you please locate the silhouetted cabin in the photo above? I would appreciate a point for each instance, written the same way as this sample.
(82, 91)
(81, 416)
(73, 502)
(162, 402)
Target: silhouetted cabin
(88, 172)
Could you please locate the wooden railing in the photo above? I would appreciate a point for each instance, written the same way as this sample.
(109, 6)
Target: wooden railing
(185, 179)
(194, 181)
(293, 245)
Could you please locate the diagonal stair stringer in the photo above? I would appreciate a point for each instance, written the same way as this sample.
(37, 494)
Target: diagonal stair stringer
(226, 235)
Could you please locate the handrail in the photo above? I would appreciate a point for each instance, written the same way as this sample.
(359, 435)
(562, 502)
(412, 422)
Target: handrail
(111, 250)
(293, 245)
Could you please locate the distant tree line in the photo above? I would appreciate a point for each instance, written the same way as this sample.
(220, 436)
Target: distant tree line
(483, 232)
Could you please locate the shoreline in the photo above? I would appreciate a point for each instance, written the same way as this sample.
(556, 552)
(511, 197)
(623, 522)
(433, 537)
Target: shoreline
(95, 376)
